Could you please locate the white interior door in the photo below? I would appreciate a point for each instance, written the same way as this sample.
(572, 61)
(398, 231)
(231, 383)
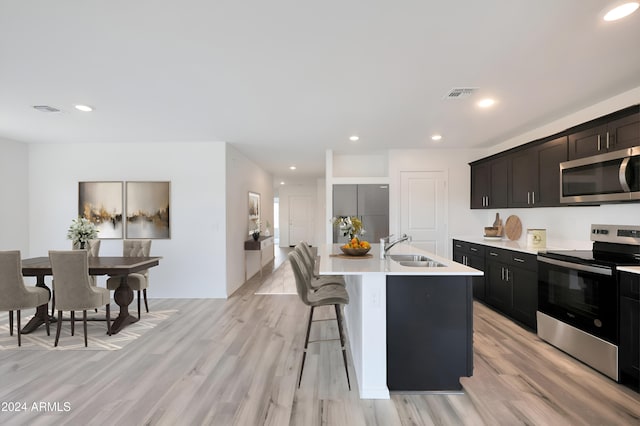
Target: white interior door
(300, 219)
(423, 210)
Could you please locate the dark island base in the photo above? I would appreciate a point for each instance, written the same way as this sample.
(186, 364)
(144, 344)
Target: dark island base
(429, 333)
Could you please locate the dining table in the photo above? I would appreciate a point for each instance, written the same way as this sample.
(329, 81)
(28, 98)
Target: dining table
(112, 266)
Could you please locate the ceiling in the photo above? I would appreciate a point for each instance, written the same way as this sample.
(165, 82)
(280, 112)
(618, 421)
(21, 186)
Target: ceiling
(283, 81)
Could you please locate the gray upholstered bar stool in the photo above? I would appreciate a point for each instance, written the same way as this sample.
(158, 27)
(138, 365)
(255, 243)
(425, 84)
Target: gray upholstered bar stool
(316, 281)
(14, 295)
(326, 295)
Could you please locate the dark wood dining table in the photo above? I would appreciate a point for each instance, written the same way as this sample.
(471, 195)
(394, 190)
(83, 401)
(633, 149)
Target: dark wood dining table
(40, 267)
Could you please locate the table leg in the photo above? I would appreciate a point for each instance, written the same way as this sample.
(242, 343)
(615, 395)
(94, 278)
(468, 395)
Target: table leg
(123, 297)
(41, 311)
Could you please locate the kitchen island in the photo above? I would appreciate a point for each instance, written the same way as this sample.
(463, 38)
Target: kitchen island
(410, 328)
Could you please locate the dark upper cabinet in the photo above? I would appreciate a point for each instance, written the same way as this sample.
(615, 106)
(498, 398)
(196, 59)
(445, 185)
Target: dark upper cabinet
(489, 184)
(523, 178)
(549, 156)
(614, 135)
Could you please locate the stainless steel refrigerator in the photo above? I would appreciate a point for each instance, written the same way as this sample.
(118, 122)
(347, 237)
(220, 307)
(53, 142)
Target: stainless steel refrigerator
(368, 202)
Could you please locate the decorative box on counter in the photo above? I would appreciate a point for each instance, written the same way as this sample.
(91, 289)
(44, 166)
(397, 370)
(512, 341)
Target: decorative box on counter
(537, 238)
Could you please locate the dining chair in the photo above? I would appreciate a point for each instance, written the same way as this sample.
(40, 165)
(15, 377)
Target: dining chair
(316, 281)
(93, 250)
(74, 289)
(14, 294)
(138, 281)
(327, 295)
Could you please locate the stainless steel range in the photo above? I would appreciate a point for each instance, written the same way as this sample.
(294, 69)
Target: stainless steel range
(578, 296)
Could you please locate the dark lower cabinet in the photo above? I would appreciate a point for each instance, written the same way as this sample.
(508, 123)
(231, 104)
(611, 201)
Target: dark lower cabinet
(429, 332)
(629, 349)
(471, 255)
(511, 284)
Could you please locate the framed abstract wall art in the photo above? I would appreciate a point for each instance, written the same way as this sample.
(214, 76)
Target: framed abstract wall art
(148, 206)
(101, 203)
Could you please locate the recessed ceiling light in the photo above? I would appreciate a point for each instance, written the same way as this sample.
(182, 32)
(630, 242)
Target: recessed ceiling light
(282, 183)
(292, 167)
(436, 137)
(84, 108)
(354, 138)
(487, 102)
(621, 11)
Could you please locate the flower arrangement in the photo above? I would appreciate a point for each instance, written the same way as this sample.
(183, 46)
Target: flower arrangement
(81, 231)
(350, 226)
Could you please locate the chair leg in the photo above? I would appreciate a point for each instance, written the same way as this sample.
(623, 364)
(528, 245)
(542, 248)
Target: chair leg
(10, 323)
(58, 328)
(146, 305)
(73, 323)
(138, 304)
(84, 325)
(306, 343)
(342, 342)
(108, 319)
(53, 302)
(19, 339)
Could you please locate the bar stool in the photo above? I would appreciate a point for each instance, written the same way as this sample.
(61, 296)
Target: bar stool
(309, 265)
(326, 295)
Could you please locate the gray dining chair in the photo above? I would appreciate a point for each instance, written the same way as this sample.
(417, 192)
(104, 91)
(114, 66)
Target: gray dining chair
(93, 250)
(74, 289)
(14, 294)
(327, 295)
(138, 281)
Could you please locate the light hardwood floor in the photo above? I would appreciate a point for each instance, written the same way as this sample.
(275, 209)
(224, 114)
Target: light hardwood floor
(235, 362)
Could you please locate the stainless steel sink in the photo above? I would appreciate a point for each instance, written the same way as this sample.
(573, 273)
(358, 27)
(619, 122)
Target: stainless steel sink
(415, 260)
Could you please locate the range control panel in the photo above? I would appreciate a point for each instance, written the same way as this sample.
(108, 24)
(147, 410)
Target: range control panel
(620, 234)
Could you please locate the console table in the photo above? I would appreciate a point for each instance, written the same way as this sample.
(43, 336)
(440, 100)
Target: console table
(262, 246)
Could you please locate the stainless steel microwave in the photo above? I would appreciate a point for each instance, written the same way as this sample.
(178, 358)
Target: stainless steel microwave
(610, 177)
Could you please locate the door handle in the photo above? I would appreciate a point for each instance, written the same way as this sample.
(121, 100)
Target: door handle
(502, 273)
(607, 140)
(599, 143)
(528, 198)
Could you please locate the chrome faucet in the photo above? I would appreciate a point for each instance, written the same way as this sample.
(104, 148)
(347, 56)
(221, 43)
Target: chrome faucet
(386, 244)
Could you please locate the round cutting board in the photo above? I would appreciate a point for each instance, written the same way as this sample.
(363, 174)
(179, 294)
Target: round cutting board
(513, 227)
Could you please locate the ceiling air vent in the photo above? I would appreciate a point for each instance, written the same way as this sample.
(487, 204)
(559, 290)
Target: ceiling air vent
(460, 92)
(45, 108)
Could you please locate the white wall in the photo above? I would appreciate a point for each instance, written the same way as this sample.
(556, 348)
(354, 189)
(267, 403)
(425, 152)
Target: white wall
(243, 176)
(14, 189)
(193, 264)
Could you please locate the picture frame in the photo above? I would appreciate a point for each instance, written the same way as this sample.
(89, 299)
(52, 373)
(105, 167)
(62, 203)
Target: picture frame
(148, 210)
(101, 203)
(254, 206)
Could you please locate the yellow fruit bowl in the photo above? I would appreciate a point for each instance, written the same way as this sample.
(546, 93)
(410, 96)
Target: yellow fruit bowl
(355, 251)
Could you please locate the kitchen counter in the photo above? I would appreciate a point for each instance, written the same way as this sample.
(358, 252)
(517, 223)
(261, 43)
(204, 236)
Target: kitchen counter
(412, 306)
(522, 247)
(333, 263)
(631, 269)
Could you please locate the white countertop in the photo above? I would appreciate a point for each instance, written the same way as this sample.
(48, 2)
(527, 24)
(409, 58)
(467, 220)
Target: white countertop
(516, 245)
(330, 265)
(632, 269)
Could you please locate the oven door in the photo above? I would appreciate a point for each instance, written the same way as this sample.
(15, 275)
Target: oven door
(584, 296)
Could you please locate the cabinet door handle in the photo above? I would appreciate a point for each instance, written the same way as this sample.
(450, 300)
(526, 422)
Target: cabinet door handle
(607, 140)
(528, 197)
(502, 273)
(473, 249)
(507, 273)
(599, 143)
(492, 253)
(466, 261)
(458, 246)
(518, 260)
(533, 197)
